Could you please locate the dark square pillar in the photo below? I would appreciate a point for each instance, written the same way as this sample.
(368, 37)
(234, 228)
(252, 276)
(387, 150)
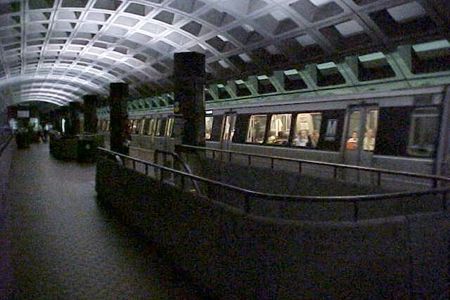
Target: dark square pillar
(90, 113)
(189, 79)
(118, 117)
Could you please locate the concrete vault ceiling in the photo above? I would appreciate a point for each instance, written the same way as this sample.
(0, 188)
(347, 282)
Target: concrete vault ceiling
(59, 50)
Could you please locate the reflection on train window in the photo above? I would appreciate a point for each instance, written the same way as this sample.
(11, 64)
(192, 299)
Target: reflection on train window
(280, 125)
(256, 129)
(228, 129)
(370, 130)
(423, 133)
(353, 130)
(307, 128)
(208, 127)
(169, 127)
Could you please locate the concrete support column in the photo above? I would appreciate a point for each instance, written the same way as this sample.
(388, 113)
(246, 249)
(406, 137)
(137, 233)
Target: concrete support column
(90, 113)
(74, 118)
(189, 79)
(118, 95)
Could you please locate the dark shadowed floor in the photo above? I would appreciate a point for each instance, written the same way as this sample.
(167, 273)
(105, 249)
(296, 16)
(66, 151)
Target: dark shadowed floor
(65, 247)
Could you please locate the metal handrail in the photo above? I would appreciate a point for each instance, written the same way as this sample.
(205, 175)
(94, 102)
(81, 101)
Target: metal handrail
(178, 158)
(379, 171)
(248, 194)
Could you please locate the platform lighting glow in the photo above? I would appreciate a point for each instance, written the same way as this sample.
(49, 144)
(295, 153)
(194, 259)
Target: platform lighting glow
(223, 38)
(240, 81)
(262, 77)
(406, 12)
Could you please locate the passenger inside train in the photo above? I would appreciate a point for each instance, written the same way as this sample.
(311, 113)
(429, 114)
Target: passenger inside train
(352, 142)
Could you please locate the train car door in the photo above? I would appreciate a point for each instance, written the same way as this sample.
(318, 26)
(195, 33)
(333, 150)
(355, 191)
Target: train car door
(228, 128)
(360, 135)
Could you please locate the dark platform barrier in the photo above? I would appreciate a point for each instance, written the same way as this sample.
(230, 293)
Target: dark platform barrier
(239, 255)
(81, 148)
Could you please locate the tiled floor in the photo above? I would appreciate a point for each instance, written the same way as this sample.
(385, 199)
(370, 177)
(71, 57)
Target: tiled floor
(66, 247)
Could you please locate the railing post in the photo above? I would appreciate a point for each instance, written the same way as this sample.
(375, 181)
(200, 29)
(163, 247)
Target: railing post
(271, 162)
(146, 169)
(299, 167)
(247, 203)
(182, 182)
(356, 208)
(214, 154)
(249, 160)
(134, 165)
(161, 175)
(335, 172)
(379, 178)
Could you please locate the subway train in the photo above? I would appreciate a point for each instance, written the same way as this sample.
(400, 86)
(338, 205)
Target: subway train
(405, 130)
(382, 110)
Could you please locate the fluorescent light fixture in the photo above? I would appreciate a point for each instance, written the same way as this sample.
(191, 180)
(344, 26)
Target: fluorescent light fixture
(371, 57)
(328, 65)
(290, 72)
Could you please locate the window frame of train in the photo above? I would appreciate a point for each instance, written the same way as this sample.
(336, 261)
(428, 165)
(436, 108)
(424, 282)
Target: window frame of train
(146, 126)
(152, 127)
(228, 129)
(316, 127)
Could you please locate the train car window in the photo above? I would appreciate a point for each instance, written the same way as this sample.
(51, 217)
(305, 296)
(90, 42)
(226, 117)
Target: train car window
(162, 127)
(169, 127)
(331, 128)
(256, 129)
(228, 129)
(393, 131)
(280, 126)
(208, 127)
(158, 127)
(307, 130)
(423, 132)
(353, 130)
(240, 128)
(151, 127)
(146, 126)
(370, 130)
(216, 128)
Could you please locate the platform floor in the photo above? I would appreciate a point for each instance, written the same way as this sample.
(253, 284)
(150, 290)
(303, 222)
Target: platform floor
(65, 247)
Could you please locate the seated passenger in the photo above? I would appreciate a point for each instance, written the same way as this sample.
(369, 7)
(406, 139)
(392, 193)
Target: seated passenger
(271, 138)
(369, 141)
(302, 139)
(314, 138)
(282, 138)
(352, 143)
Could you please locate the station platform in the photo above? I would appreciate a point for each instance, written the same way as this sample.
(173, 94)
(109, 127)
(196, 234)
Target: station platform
(64, 246)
